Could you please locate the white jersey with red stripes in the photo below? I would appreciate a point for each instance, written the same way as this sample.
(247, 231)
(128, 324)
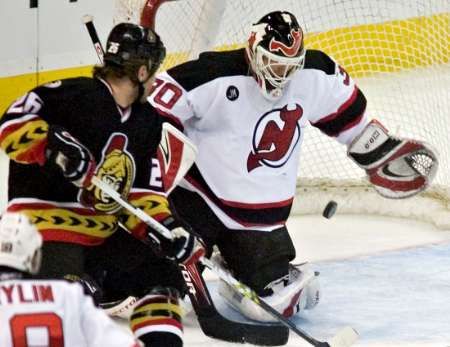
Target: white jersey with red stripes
(248, 146)
(55, 313)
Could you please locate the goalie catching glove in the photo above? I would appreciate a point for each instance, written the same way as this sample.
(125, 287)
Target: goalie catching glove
(70, 156)
(184, 246)
(397, 167)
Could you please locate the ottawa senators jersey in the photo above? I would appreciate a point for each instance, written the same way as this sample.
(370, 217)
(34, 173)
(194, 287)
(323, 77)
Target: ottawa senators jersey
(249, 146)
(55, 313)
(124, 143)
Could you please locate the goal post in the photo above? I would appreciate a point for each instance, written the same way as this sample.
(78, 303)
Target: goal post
(397, 51)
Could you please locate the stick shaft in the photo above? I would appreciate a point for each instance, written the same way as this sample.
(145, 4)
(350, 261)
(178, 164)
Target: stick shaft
(89, 23)
(217, 269)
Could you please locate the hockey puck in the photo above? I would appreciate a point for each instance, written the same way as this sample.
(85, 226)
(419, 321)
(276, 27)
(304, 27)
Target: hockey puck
(330, 209)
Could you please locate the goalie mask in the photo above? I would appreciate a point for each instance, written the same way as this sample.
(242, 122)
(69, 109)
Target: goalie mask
(275, 51)
(130, 43)
(20, 243)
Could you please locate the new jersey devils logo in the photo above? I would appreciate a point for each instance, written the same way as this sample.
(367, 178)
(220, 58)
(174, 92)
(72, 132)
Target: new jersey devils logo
(275, 137)
(288, 51)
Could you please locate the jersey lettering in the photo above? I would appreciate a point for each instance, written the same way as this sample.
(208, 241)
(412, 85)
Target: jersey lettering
(167, 95)
(29, 103)
(156, 176)
(50, 322)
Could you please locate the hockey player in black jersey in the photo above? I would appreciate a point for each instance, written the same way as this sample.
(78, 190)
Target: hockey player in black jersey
(245, 110)
(62, 133)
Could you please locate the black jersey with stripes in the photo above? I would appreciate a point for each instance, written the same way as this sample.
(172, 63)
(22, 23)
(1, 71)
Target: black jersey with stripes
(124, 143)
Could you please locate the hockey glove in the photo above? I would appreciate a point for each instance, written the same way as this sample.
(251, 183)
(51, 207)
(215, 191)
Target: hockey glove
(184, 246)
(397, 167)
(70, 156)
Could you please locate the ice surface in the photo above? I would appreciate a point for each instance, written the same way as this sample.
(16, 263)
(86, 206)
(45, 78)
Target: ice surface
(388, 278)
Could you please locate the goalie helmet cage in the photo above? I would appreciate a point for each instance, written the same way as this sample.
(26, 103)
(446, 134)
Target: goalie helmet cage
(397, 51)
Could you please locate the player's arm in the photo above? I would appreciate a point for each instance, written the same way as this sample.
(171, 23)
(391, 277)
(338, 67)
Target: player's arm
(28, 138)
(339, 105)
(397, 167)
(23, 132)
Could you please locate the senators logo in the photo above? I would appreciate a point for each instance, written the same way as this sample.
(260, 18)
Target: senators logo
(275, 137)
(288, 51)
(116, 169)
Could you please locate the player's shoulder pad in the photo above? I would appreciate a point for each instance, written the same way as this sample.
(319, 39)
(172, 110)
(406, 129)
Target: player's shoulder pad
(68, 86)
(208, 67)
(319, 60)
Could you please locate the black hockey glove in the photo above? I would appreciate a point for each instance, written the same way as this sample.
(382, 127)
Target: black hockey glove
(73, 158)
(183, 248)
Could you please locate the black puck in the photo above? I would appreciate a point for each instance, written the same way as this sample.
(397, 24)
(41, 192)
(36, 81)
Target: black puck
(330, 209)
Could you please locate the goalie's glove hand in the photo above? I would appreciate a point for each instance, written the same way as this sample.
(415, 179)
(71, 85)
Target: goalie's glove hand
(70, 156)
(183, 248)
(397, 167)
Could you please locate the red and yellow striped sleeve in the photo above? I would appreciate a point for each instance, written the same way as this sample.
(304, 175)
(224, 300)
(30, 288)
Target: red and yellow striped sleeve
(23, 133)
(155, 205)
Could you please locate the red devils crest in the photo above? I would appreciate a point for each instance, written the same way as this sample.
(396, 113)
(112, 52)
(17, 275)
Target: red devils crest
(275, 137)
(288, 51)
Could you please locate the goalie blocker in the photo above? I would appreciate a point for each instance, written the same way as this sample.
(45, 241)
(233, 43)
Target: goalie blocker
(397, 167)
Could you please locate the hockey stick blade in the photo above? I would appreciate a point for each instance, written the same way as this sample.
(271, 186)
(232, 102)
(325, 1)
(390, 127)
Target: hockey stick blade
(216, 326)
(212, 323)
(345, 338)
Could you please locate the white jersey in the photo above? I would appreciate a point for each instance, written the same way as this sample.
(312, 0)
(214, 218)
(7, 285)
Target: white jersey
(55, 313)
(248, 146)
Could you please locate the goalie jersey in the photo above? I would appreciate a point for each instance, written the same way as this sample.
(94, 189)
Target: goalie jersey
(249, 146)
(124, 143)
(55, 313)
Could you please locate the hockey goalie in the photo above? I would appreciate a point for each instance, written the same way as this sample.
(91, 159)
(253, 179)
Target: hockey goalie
(245, 110)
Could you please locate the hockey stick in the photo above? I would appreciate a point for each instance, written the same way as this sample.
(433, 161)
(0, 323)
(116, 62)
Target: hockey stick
(345, 337)
(213, 324)
(88, 21)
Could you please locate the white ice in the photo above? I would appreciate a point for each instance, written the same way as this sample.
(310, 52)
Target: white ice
(387, 278)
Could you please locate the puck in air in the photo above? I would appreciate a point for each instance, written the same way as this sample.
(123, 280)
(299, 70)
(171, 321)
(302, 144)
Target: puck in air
(330, 209)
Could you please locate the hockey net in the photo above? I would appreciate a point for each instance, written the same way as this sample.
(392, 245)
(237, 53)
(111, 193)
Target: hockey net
(397, 51)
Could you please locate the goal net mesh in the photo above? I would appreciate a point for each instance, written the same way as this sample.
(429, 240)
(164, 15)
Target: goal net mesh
(398, 51)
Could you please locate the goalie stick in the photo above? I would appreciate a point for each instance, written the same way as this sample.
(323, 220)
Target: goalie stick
(344, 338)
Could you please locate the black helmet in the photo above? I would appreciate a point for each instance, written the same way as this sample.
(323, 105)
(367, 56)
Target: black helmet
(275, 40)
(129, 43)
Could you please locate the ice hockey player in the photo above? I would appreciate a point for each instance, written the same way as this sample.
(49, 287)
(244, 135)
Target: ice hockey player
(40, 312)
(245, 110)
(58, 136)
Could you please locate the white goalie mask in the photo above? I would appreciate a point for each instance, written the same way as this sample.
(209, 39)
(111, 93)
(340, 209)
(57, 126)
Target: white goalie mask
(275, 51)
(20, 243)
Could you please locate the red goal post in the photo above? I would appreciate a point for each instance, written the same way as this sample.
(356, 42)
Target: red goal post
(397, 51)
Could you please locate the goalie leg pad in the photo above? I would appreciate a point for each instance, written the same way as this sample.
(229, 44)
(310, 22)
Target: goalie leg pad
(156, 318)
(297, 291)
(270, 253)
